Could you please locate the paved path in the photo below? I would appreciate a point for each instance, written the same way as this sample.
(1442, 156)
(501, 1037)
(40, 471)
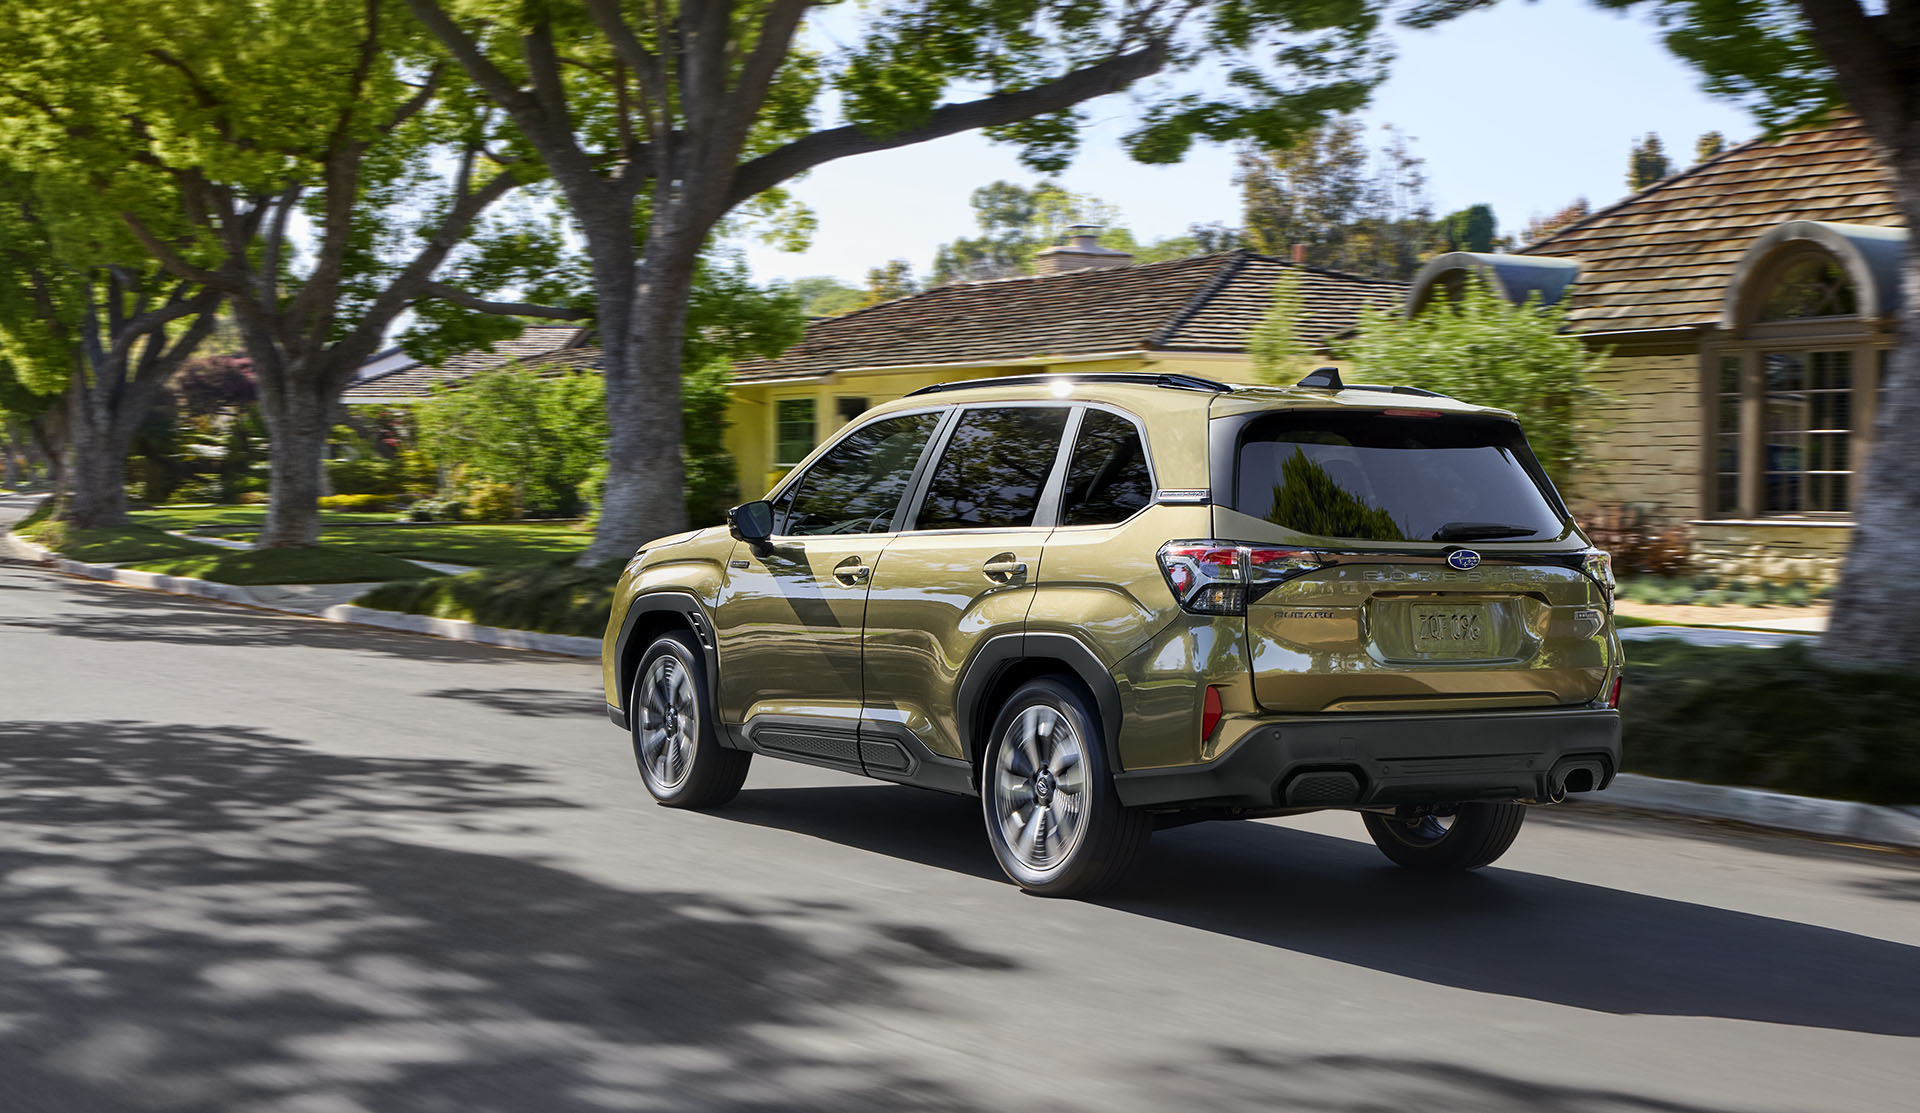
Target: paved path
(252, 863)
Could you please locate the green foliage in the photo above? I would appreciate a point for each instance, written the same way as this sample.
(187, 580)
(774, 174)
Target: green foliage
(1709, 146)
(357, 502)
(1483, 350)
(1471, 229)
(315, 565)
(892, 279)
(493, 502)
(540, 436)
(821, 296)
(1279, 354)
(1712, 591)
(1017, 221)
(1647, 163)
(1362, 213)
(1773, 719)
(551, 598)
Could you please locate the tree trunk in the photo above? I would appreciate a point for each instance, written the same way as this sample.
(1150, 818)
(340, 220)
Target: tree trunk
(1876, 611)
(296, 413)
(96, 494)
(645, 495)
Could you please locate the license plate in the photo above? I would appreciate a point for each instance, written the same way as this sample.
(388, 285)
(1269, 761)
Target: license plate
(1452, 631)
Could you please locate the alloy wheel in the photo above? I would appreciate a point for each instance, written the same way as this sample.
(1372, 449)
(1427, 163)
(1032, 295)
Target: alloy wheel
(669, 721)
(1040, 788)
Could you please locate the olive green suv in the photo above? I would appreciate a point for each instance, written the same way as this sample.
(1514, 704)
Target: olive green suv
(1110, 602)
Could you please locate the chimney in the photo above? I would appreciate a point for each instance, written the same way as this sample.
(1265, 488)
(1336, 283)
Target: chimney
(1081, 252)
(1299, 255)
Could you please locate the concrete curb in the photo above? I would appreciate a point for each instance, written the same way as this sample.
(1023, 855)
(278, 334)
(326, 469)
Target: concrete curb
(345, 613)
(1843, 820)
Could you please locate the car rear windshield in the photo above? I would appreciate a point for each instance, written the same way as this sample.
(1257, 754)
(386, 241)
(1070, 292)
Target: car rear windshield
(1387, 477)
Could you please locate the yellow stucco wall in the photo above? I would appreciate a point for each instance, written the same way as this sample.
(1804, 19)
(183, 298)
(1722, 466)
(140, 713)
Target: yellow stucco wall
(750, 432)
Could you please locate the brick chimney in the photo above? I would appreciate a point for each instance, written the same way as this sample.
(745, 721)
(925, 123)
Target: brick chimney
(1081, 252)
(1299, 255)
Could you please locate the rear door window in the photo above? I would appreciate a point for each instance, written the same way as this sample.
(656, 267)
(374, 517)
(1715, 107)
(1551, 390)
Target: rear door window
(993, 469)
(1380, 477)
(856, 486)
(1108, 479)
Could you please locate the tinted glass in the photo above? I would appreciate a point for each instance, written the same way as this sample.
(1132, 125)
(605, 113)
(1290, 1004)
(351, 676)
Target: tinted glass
(1107, 479)
(993, 468)
(855, 487)
(1371, 477)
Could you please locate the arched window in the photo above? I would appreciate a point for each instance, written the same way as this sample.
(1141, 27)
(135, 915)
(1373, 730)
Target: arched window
(1791, 389)
(1810, 286)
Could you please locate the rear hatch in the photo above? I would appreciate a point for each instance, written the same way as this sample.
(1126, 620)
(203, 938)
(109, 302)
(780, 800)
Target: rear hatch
(1408, 560)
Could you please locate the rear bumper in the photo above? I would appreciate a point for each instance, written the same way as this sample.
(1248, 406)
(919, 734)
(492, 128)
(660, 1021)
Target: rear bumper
(1394, 759)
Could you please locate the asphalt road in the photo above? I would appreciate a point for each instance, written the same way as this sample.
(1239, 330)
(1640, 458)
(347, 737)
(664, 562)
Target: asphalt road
(258, 863)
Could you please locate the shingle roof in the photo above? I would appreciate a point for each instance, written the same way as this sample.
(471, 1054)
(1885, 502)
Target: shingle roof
(417, 381)
(1204, 303)
(1662, 258)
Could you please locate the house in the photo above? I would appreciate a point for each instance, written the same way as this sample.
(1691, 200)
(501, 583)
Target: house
(1087, 310)
(1749, 305)
(392, 379)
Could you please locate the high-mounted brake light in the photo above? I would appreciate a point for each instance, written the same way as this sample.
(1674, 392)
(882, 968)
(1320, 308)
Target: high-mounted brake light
(1413, 413)
(1222, 577)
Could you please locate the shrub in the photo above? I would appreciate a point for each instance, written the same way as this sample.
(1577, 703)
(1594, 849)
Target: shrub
(252, 498)
(1484, 350)
(435, 510)
(494, 502)
(1638, 545)
(358, 502)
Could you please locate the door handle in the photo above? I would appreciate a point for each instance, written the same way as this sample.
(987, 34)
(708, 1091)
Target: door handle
(1004, 569)
(850, 571)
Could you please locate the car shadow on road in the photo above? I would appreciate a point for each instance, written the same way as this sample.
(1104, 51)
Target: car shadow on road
(212, 918)
(1497, 930)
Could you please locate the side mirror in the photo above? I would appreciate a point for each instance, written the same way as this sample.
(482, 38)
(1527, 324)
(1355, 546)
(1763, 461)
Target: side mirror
(751, 522)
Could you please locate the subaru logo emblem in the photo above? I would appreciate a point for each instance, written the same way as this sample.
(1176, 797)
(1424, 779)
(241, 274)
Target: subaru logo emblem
(1466, 560)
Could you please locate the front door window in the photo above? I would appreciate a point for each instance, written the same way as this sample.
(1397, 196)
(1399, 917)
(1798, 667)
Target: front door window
(857, 485)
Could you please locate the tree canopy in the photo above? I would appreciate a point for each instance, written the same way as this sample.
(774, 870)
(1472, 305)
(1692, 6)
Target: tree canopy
(1352, 209)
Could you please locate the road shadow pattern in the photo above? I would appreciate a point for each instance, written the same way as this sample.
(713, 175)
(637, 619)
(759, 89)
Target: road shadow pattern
(1493, 931)
(216, 918)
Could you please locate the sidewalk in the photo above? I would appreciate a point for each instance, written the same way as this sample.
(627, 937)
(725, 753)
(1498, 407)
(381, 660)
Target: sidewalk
(1790, 620)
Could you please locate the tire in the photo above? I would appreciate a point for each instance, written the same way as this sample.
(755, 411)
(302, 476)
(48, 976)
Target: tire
(1045, 782)
(1478, 834)
(675, 743)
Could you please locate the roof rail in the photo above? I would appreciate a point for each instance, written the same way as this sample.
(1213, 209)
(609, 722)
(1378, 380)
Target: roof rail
(1171, 380)
(1328, 378)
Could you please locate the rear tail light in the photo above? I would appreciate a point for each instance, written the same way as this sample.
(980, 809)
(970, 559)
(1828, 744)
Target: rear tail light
(1598, 565)
(1220, 577)
(1613, 693)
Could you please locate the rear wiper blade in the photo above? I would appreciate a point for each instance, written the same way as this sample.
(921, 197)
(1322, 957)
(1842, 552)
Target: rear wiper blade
(1467, 531)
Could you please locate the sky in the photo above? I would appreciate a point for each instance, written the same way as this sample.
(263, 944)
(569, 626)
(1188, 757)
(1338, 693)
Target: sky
(1525, 106)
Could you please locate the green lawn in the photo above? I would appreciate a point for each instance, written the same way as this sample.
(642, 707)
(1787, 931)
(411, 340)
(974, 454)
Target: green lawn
(1771, 718)
(321, 565)
(222, 521)
(554, 598)
(112, 545)
(482, 544)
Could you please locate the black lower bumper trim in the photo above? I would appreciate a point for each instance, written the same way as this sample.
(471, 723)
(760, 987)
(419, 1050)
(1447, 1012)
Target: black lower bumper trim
(1396, 759)
(618, 716)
